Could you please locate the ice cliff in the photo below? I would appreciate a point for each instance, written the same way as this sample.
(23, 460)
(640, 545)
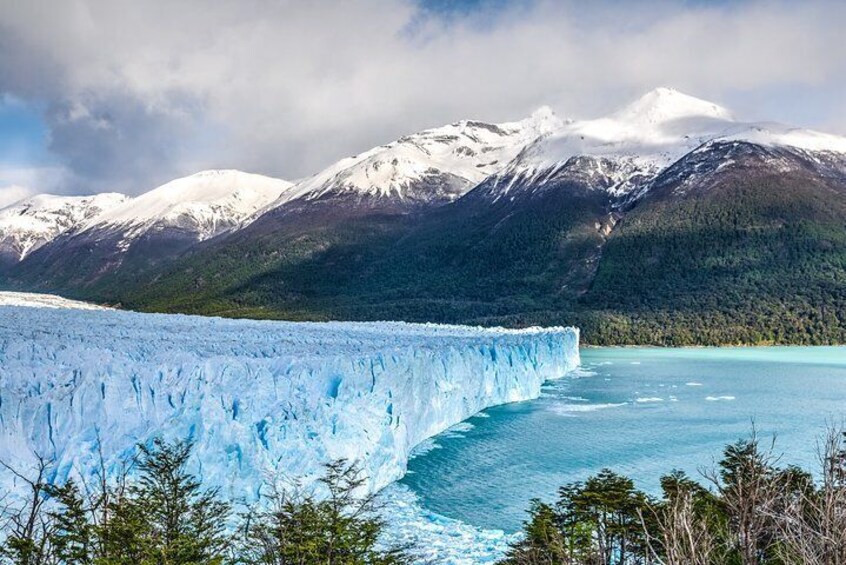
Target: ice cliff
(261, 399)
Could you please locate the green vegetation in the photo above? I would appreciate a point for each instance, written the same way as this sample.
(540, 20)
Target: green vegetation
(749, 256)
(755, 513)
(756, 261)
(598, 521)
(160, 515)
(745, 263)
(341, 528)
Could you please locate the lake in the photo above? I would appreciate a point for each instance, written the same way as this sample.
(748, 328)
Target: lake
(639, 411)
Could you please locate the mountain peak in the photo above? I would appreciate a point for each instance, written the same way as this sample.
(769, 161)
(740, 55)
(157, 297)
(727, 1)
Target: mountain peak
(664, 104)
(641, 138)
(206, 202)
(433, 165)
(218, 173)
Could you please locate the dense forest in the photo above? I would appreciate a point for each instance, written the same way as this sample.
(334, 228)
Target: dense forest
(747, 263)
(751, 259)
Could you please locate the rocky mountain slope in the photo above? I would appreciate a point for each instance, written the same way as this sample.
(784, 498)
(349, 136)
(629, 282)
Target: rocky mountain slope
(433, 166)
(421, 170)
(33, 222)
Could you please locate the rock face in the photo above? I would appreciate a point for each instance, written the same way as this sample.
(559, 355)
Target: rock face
(260, 399)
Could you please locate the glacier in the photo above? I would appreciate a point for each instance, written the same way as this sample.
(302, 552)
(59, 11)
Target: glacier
(262, 400)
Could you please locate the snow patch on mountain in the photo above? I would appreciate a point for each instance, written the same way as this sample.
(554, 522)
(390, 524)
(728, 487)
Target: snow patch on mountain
(33, 222)
(261, 399)
(779, 135)
(640, 139)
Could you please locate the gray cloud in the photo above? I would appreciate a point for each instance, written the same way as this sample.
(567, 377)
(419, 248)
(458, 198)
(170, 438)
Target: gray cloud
(140, 92)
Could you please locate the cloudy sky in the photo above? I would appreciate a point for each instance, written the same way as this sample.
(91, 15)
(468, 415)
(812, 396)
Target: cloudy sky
(122, 95)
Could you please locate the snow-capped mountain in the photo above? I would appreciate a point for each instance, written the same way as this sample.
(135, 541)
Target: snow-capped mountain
(566, 185)
(196, 207)
(202, 205)
(622, 152)
(741, 158)
(435, 165)
(30, 223)
(150, 229)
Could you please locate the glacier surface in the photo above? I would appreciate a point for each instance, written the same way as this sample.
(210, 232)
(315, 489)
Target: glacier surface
(261, 399)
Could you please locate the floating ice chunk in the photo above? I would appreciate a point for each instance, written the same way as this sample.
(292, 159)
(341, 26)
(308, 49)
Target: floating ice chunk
(458, 430)
(582, 372)
(426, 446)
(567, 409)
(436, 538)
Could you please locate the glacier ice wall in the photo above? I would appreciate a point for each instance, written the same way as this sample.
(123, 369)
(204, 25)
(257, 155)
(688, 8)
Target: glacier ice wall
(261, 399)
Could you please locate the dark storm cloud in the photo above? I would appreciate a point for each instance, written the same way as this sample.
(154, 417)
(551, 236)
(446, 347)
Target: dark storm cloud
(116, 139)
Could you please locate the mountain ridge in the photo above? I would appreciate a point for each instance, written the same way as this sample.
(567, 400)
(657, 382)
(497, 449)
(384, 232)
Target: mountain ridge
(533, 240)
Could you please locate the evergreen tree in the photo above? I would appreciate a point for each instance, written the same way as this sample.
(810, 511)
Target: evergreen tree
(72, 536)
(543, 543)
(612, 507)
(163, 517)
(180, 522)
(339, 529)
(750, 488)
(124, 537)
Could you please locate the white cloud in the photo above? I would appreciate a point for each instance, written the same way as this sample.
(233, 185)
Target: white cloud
(18, 182)
(142, 91)
(12, 193)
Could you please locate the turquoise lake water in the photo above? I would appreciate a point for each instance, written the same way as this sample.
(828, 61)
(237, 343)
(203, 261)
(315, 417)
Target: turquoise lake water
(640, 412)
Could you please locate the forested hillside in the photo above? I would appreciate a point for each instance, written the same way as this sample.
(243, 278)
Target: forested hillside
(748, 256)
(667, 222)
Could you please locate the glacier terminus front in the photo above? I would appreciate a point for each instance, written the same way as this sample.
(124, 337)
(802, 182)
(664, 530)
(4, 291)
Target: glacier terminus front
(260, 399)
